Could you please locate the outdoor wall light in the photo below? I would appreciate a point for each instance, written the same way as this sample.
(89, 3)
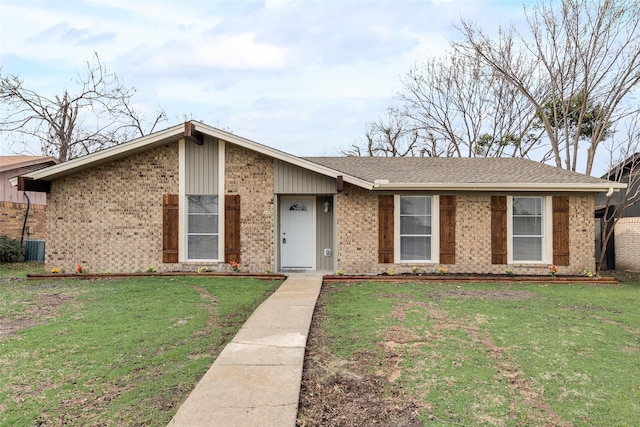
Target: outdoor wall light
(327, 206)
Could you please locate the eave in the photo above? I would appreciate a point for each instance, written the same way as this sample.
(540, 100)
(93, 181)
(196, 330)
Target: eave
(500, 187)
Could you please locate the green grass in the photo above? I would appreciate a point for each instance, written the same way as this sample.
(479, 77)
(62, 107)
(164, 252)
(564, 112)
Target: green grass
(20, 269)
(113, 352)
(499, 354)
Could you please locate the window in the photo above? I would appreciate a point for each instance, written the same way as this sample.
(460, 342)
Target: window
(202, 227)
(528, 229)
(416, 228)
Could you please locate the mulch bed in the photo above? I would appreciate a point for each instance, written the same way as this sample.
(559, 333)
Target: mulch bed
(462, 278)
(472, 278)
(262, 276)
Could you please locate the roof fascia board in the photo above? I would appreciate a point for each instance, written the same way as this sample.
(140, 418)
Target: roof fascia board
(281, 155)
(178, 132)
(553, 187)
(112, 152)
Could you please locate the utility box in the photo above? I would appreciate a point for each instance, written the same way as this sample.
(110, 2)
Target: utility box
(34, 250)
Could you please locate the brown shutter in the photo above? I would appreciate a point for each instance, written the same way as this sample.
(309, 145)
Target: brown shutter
(385, 229)
(170, 228)
(561, 230)
(447, 229)
(232, 228)
(498, 229)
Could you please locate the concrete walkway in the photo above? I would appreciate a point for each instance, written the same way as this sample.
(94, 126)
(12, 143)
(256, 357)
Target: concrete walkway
(255, 381)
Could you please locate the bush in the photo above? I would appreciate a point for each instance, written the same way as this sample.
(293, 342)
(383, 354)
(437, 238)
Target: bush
(11, 250)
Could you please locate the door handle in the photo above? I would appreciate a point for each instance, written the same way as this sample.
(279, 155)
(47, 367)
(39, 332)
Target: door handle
(284, 239)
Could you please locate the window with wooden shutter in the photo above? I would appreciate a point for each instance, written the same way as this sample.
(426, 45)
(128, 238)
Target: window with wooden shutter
(232, 228)
(385, 229)
(498, 229)
(447, 229)
(561, 230)
(170, 221)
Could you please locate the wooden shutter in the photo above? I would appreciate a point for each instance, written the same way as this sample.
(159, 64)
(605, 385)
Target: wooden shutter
(170, 220)
(447, 229)
(498, 229)
(561, 230)
(385, 229)
(232, 228)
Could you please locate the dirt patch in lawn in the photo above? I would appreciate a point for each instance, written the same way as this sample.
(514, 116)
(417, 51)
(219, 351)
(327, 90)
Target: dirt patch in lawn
(43, 307)
(337, 392)
(487, 294)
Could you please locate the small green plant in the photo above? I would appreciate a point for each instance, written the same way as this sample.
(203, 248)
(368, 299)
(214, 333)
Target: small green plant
(55, 270)
(151, 270)
(509, 272)
(392, 272)
(414, 269)
(267, 270)
(11, 250)
(204, 269)
(442, 271)
(587, 273)
(235, 266)
(553, 269)
(80, 270)
(340, 272)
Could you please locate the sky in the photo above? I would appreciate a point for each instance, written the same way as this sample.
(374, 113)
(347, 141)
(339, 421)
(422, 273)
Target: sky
(302, 76)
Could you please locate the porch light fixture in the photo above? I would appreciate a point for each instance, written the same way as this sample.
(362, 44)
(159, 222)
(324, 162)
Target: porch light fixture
(327, 205)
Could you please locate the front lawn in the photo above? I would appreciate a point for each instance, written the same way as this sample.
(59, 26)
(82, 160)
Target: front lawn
(473, 354)
(113, 352)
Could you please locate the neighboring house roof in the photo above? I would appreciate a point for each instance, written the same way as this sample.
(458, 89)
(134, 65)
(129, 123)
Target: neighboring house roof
(626, 166)
(382, 173)
(17, 162)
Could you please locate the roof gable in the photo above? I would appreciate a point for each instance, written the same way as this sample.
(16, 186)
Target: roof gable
(379, 173)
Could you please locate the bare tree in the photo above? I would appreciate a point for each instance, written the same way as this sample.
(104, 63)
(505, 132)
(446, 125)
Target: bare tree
(624, 160)
(454, 106)
(389, 136)
(98, 114)
(581, 50)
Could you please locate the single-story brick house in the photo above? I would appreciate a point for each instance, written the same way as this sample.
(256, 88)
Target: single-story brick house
(193, 195)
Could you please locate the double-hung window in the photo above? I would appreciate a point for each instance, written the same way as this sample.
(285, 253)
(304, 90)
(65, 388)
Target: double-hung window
(202, 227)
(528, 229)
(416, 231)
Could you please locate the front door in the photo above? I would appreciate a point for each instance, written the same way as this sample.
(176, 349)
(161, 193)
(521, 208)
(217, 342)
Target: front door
(297, 233)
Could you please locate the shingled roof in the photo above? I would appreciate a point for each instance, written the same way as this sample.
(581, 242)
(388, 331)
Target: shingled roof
(454, 171)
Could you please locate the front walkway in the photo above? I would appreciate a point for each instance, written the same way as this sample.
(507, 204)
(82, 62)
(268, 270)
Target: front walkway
(255, 381)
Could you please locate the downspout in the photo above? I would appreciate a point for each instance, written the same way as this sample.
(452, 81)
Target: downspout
(26, 216)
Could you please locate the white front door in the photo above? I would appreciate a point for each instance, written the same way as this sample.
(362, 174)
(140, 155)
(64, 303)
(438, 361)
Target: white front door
(297, 233)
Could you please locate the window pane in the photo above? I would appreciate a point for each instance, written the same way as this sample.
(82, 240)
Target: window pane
(527, 225)
(203, 224)
(415, 248)
(527, 249)
(527, 206)
(202, 247)
(415, 225)
(415, 205)
(203, 204)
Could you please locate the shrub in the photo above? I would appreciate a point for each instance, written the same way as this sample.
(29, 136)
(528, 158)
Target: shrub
(11, 250)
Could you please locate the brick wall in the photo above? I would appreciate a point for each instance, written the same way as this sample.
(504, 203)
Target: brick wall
(357, 234)
(250, 175)
(627, 246)
(12, 219)
(357, 231)
(109, 218)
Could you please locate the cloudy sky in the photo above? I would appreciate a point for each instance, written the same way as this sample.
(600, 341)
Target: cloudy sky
(302, 76)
